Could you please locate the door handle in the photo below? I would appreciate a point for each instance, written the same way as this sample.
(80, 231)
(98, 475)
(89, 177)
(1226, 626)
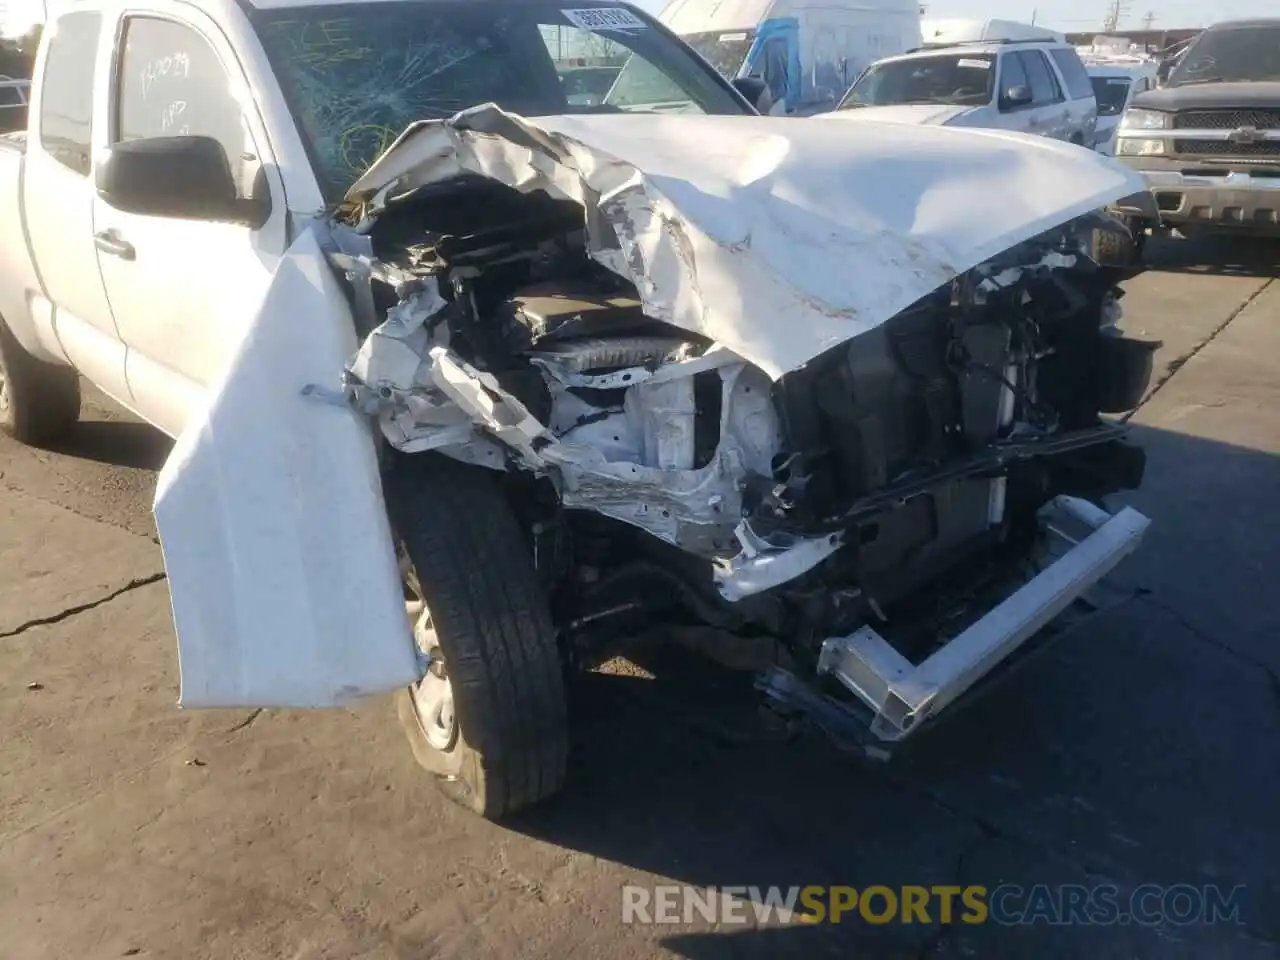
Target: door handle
(108, 242)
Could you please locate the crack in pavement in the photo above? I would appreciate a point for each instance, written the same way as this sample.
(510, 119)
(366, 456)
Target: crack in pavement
(1145, 595)
(943, 938)
(1177, 363)
(82, 607)
(247, 721)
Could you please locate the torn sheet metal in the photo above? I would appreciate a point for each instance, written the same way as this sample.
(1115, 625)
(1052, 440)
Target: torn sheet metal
(778, 239)
(659, 490)
(425, 397)
(279, 556)
(760, 567)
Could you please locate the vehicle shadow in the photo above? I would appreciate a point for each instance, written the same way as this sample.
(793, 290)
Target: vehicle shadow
(1213, 255)
(120, 443)
(1110, 758)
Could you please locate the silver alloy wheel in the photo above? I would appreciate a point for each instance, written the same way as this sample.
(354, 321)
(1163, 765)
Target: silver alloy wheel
(432, 696)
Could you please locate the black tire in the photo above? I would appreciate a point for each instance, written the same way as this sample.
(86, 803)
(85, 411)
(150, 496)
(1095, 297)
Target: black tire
(39, 401)
(1120, 247)
(509, 742)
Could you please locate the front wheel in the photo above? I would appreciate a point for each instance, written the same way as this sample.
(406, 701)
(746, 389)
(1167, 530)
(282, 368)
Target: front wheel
(489, 717)
(39, 401)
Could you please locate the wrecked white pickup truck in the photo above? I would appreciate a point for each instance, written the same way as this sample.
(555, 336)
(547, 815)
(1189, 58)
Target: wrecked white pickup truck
(542, 378)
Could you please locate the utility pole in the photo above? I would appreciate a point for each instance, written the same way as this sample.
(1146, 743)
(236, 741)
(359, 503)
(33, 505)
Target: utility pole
(1114, 16)
(1148, 19)
(1033, 17)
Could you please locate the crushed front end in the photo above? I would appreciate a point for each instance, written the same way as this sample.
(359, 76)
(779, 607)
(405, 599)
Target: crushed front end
(938, 459)
(882, 503)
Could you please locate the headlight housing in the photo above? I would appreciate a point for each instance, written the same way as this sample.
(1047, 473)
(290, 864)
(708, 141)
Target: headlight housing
(1146, 120)
(1134, 147)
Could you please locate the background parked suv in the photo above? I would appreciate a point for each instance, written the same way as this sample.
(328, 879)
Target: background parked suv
(1029, 86)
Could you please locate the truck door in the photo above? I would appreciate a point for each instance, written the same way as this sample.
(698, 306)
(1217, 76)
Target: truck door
(58, 194)
(183, 290)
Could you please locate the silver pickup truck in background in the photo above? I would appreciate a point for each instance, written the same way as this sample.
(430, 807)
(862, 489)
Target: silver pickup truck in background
(466, 377)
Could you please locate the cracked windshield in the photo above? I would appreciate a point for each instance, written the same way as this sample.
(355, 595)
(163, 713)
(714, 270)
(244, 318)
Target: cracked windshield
(356, 77)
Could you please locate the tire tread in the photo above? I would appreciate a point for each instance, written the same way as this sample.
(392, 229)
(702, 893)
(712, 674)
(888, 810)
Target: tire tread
(491, 615)
(44, 398)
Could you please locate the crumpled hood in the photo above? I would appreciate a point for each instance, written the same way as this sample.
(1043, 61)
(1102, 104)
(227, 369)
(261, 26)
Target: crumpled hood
(779, 238)
(918, 113)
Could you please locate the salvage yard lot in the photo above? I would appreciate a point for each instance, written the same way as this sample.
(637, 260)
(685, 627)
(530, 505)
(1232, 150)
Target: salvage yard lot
(1141, 749)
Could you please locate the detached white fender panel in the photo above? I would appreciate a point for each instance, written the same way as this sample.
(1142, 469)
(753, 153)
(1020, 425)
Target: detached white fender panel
(276, 542)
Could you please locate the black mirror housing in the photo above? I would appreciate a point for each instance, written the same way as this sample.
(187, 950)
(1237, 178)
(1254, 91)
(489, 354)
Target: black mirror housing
(186, 178)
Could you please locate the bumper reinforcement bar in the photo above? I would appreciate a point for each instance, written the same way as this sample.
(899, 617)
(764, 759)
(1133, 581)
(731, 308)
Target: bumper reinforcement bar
(901, 695)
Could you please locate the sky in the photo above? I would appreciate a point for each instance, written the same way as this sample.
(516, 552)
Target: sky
(1066, 15)
(1081, 15)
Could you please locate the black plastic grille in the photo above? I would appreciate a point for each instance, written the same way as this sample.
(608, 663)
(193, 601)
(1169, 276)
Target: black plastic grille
(1226, 119)
(1224, 148)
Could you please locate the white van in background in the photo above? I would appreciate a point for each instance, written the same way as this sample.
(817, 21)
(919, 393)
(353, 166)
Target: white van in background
(806, 52)
(1116, 81)
(1026, 86)
(946, 33)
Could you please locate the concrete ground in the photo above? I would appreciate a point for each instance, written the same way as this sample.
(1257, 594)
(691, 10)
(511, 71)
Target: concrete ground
(1141, 749)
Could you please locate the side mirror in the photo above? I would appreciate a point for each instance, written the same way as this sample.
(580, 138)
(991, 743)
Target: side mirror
(1019, 95)
(755, 91)
(187, 178)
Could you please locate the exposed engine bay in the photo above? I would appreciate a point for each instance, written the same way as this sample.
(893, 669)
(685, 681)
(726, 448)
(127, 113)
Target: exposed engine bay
(659, 472)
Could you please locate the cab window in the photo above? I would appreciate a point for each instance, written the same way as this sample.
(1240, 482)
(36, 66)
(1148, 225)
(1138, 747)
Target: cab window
(172, 84)
(1044, 88)
(66, 98)
(1012, 74)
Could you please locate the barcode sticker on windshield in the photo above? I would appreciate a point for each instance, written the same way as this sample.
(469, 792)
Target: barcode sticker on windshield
(604, 18)
(977, 64)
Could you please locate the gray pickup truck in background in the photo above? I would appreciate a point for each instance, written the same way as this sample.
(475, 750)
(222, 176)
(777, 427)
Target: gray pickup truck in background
(1208, 142)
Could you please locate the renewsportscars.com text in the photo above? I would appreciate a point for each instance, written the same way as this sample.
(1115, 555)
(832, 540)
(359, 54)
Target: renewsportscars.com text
(1007, 904)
